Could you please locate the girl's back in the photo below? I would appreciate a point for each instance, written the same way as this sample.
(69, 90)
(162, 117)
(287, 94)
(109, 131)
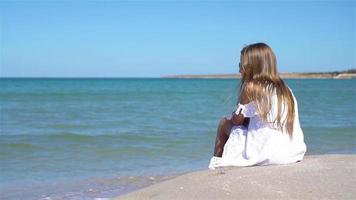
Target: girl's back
(270, 144)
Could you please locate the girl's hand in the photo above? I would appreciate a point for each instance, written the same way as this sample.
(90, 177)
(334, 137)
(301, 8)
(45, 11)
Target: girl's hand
(237, 119)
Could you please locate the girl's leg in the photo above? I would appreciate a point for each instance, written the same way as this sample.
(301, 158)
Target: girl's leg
(222, 135)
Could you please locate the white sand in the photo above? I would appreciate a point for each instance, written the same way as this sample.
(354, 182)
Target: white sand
(316, 177)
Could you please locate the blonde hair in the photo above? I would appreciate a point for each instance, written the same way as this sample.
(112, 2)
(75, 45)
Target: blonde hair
(260, 80)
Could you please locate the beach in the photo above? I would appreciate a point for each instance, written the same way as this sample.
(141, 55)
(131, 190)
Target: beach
(316, 177)
(103, 138)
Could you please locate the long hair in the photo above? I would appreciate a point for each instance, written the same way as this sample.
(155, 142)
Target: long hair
(258, 67)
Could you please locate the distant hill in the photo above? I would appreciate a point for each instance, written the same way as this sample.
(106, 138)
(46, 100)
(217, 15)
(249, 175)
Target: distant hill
(347, 74)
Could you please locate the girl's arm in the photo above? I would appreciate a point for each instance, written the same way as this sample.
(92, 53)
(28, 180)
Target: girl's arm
(240, 119)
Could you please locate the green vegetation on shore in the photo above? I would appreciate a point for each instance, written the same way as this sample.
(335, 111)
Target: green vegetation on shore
(347, 74)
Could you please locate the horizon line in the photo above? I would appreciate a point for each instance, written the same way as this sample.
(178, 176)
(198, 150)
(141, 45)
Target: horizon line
(169, 75)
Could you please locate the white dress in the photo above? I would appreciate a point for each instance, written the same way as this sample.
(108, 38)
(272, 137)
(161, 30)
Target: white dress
(261, 143)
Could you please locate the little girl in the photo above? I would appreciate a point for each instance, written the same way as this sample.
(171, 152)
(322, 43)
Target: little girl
(264, 129)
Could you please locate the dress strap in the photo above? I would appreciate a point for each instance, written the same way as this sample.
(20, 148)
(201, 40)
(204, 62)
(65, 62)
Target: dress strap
(247, 110)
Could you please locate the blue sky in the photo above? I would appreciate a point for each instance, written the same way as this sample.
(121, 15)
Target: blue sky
(157, 38)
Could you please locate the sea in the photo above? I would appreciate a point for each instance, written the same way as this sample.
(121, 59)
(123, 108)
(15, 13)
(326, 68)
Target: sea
(87, 138)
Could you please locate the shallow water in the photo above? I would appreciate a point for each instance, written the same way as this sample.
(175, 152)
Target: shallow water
(85, 138)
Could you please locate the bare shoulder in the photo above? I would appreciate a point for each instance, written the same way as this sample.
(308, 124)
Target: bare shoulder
(290, 90)
(246, 93)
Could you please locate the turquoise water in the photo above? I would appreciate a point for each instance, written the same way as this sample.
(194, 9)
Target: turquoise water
(86, 138)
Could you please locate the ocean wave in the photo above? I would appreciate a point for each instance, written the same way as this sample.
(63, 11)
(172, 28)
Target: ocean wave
(25, 146)
(110, 137)
(73, 136)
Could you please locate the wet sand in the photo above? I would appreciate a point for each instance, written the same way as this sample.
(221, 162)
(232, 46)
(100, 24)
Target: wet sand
(316, 177)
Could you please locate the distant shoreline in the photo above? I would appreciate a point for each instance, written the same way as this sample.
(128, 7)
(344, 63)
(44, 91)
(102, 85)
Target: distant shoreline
(350, 74)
